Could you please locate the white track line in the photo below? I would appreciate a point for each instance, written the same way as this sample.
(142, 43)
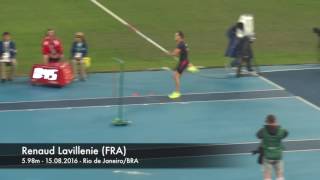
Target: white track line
(297, 97)
(308, 103)
(286, 151)
(245, 71)
(271, 83)
(235, 154)
(257, 142)
(244, 143)
(162, 103)
(290, 69)
(302, 150)
(213, 92)
(134, 173)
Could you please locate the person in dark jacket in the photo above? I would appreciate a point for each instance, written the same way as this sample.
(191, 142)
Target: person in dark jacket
(233, 40)
(79, 51)
(239, 48)
(8, 53)
(271, 136)
(244, 54)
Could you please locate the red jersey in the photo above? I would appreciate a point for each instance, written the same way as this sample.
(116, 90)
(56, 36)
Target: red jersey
(52, 47)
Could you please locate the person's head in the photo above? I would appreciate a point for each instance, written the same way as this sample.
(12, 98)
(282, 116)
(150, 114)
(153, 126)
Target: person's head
(271, 120)
(79, 37)
(179, 36)
(51, 33)
(6, 36)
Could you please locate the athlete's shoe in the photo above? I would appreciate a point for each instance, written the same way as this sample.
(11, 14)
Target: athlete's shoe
(175, 95)
(193, 69)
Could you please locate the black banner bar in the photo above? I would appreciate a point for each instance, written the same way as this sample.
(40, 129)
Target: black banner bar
(119, 155)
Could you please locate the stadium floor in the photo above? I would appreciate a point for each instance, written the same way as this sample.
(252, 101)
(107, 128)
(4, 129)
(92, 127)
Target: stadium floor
(237, 105)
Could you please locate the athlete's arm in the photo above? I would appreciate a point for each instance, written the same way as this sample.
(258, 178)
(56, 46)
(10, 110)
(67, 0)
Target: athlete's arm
(175, 52)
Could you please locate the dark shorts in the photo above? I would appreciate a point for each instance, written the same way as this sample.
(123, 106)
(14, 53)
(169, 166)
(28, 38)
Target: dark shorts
(182, 66)
(54, 60)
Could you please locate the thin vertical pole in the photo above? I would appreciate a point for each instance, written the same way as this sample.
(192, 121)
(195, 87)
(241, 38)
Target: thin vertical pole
(119, 121)
(121, 81)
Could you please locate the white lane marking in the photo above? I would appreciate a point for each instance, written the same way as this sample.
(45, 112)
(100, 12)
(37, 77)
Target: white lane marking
(271, 83)
(146, 96)
(162, 103)
(297, 97)
(308, 103)
(235, 154)
(132, 172)
(290, 69)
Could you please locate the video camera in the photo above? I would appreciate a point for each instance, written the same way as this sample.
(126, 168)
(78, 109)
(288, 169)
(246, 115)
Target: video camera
(260, 153)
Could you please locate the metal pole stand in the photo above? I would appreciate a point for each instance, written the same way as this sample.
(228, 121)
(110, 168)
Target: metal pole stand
(119, 120)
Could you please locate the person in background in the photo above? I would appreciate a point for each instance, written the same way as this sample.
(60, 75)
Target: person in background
(239, 48)
(244, 55)
(271, 136)
(79, 50)
(234, 35)
(52, 48)
(8, 53)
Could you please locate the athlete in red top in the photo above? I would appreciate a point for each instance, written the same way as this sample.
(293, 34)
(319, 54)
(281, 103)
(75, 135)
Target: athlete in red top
(52, 49)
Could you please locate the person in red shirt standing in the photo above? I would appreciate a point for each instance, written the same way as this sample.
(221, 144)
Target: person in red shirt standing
(52, 48)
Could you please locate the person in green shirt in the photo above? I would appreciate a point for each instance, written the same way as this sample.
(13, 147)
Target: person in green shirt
(271, 136)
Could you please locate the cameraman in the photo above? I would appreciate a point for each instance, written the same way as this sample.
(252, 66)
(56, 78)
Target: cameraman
(271, 136)
(239, 47)
(244, 54)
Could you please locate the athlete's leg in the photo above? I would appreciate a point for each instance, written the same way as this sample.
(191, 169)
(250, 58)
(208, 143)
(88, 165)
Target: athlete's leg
(176, 93)
(176, 78)
(177, 74)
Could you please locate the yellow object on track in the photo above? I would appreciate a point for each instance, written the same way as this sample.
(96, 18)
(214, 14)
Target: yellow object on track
(87, 61)
(192, 69)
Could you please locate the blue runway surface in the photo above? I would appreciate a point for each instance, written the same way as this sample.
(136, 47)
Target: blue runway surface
(302, 83)
(195, 122)
(212, 110)
(143, 83)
